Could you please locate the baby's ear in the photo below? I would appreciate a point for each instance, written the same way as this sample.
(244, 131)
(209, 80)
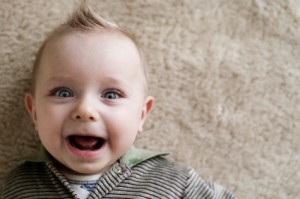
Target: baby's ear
(30, 106)
(148, 105)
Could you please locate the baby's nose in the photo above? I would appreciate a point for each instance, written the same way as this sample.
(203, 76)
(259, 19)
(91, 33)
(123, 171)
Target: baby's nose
(86, 111)
(84, 117)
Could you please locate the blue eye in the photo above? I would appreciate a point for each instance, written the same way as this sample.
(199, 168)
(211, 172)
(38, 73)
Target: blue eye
(61, 92)
(111, 95)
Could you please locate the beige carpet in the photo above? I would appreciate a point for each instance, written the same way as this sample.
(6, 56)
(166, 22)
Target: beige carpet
(225, 74)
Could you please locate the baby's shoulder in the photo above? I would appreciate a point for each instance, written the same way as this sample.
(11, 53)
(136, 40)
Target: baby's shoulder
(179, 178)
(27, 170)
(30, 178)
(163, 165)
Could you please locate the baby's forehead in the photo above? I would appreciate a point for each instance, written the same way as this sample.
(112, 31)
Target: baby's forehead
(109, 44)
(85, 35)
(92, 40)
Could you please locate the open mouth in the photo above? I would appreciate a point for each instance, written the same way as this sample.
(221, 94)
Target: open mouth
(86, 143)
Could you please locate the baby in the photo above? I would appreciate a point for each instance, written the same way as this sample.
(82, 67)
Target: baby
(88, 102)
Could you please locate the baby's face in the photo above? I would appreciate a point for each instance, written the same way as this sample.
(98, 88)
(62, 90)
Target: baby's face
(89, 100)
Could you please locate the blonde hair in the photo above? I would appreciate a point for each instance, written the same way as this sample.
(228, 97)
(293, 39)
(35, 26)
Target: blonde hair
(84, 19)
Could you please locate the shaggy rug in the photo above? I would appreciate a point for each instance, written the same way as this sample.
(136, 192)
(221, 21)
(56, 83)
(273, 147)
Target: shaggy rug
(225, 75)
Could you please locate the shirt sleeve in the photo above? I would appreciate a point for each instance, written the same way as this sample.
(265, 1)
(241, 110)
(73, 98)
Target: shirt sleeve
(198, 188)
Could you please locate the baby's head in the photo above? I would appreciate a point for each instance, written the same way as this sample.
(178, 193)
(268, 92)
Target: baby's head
(89, 93)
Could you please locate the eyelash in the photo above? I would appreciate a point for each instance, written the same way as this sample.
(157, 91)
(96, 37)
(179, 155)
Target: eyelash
(54, 91)
(115, 91)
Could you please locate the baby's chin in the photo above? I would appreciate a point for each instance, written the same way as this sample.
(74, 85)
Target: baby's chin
(83, 169)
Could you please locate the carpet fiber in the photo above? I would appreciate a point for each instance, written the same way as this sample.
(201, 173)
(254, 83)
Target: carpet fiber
(225, 75)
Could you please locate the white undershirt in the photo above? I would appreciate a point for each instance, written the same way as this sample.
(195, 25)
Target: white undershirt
(82, 184)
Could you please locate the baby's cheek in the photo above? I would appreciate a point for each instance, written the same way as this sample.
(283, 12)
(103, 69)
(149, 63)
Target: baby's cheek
(123, 137)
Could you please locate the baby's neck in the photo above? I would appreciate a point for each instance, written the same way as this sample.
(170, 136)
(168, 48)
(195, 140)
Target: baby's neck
(82, 184)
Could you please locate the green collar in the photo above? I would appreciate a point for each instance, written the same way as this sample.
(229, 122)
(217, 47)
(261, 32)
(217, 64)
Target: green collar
(131, 158)
(135, 156)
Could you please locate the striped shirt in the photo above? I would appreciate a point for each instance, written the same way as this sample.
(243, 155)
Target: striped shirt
(139, 174)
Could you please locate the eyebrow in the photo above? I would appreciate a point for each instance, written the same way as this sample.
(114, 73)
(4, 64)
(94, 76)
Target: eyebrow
(110, 79)
(115, 81)
(59, 77)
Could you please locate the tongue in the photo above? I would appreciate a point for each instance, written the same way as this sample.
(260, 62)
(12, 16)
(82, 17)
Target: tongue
(85, 142)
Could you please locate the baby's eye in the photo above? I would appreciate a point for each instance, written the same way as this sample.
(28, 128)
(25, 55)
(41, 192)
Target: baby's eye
(61, 92)
(111, 95)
